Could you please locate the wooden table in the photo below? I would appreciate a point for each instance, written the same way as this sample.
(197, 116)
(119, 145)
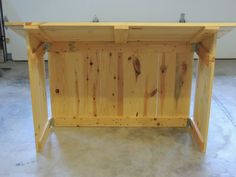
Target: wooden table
(121, 74)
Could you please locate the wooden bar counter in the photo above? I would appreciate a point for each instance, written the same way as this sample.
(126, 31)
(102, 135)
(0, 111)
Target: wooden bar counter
(121, 74)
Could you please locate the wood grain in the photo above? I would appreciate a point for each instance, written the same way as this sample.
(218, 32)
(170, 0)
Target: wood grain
(204, 83)
(113, 80)
(38, 89)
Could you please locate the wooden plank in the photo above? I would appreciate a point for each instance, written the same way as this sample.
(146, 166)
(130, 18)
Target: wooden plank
(159, 47)
(166, 84)
(204, 84)
(44, 136)
(150, 72)
(38, 89)
(34, 28)
(136, 24)
(108, 92)
(174, 83)
(43, 25)
(90, 34)
(196, 134)
(104, 31)
(74, 83)
(133, 80)
(197, 36)
(121, 121)
(121, 34)
(183, 82)
(203, 32)
(204, 54)
(140, 82)
(62, 90)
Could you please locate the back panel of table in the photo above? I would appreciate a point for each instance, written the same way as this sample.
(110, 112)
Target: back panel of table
(120, 85)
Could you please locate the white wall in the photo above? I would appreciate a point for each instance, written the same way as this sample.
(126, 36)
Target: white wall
(122, 10)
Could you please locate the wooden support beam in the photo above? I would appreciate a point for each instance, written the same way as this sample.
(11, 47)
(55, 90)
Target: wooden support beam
(202, 33)
(37, 32)
(196, 37)
(114, 121)
(43, 138)
(35, 46)
(38, 89)
(202, 104)
(121, 34)
(204, 54)
(196, 134)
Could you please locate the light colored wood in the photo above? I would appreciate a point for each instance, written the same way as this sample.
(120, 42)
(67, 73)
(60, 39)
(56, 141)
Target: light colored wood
(174, 83)
(158, 47)
(166, 84)
(183, 83)
(121, 121)
(196, 134)
(121, 34)
(140, 82)
(196, 37)
(113, 80)
(38, 89)
(57, 25)
(204, 84)
(205, 55)
(104, 31)
(42, 140)
(121, 74)
(203, 32)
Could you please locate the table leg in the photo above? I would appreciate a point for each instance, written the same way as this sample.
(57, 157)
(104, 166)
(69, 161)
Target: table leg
(38, 90)
(205, 75)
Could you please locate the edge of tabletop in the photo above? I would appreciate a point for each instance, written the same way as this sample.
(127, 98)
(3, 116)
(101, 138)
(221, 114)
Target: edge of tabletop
(32, 25)
(222, 27)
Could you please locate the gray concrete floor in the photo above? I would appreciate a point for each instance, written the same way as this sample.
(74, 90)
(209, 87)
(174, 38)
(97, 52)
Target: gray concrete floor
(119, 152)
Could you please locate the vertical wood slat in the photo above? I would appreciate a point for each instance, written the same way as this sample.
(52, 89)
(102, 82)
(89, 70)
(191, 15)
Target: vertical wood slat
(133, 80)
(166, 84)
(183, 83)
(140, 83)
(108, 92)
(174, 84)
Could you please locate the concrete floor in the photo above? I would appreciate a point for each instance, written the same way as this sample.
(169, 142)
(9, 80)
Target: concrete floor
(119, 152)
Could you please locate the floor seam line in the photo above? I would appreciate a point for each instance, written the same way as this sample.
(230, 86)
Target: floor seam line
(224, 109)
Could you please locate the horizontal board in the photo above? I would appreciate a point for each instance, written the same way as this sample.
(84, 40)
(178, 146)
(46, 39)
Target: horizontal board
(106, 31)
(62, 47)
(121, 122)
